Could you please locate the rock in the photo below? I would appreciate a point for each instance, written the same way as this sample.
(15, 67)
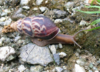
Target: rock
(78, 68)
(81, 62)
(18, 14)
(5, 52)
(34, 54)
(39, 2)
(59, 13)
(26, 7)
(21, 68)
(24, 2)
(56, 58)
(60, 45)
(17, 38)
(53, 49)
(58, 21)
(8, 22)
(1, 43)
(69, 5)
(62, 54)
(83, 22)
(11, 57)
(2, 19)
(36, 68)
(58, 69)
(35, 8)
(6, 12)
(3, 14)
(42, 9)
(1, 2)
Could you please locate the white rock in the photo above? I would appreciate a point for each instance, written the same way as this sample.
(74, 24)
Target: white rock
(35, 8)
(7, 11)
(38, 2)
(60, 45)
(1, 43)
(21, 68)
(3, 14)
(80, 62)
(59, 69)
(26, 7)
(83, 22)
(2, 19)
(96, 71)
(42, 9)
(62, 54)
(3, 39)
(78, 68)
(58, 21)
(53, 49)
(24, 2)
(5, 52)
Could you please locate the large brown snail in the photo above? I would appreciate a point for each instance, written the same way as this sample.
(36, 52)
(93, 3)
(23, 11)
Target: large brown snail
(41, 27)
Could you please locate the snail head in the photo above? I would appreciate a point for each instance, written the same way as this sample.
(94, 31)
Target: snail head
(9, 28)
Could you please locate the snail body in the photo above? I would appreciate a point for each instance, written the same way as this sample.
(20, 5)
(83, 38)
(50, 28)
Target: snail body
(41, 27)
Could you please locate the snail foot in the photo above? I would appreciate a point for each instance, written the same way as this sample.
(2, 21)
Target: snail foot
(40, 42)
(40, 39)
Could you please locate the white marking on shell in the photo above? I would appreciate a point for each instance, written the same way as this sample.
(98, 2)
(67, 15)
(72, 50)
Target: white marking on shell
(36, 30)
(40, 18)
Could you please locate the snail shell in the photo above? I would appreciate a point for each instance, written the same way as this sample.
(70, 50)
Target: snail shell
(39, 26)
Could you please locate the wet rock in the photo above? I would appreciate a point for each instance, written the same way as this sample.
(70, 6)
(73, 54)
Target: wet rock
(21, 68)
(59, 13)
(5, 52)
(36, 68)
(34, 54)
(78, 68)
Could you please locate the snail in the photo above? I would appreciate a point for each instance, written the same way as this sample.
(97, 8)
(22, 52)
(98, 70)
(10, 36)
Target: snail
(42, 31)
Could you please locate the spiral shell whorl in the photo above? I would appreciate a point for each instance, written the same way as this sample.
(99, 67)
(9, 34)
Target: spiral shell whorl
(39, 26)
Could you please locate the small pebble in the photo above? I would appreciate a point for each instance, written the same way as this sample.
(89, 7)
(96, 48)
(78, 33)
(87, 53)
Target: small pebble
(60, 45)
(62, 54)
(58, 69)
(42, 9)
(58, 21)
(21, 68)
(53, 49)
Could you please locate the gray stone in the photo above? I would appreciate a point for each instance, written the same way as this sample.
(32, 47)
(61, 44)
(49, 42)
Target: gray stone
(36, 68)
(38, 2)
(56, 58)
(34, 54)
(24, 2)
